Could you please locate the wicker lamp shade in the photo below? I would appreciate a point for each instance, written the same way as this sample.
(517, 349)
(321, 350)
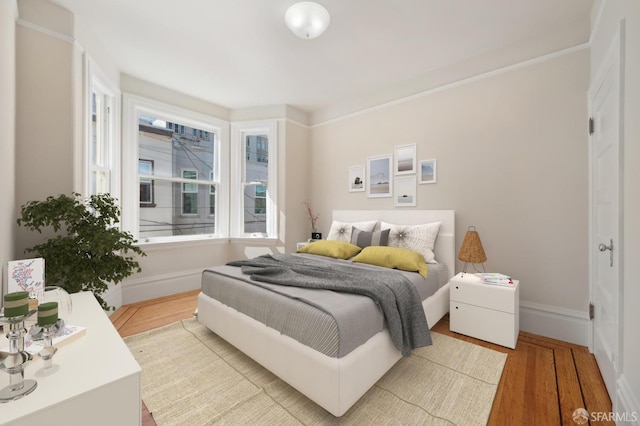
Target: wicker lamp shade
(472, 250)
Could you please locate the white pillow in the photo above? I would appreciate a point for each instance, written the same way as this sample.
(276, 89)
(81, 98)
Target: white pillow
(420, 238)
(341, 231)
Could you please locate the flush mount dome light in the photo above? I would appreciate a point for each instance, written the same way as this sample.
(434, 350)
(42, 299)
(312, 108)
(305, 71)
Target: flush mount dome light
(307, 19)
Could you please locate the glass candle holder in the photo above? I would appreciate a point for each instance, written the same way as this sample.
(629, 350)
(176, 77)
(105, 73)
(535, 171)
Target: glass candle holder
(59, 295)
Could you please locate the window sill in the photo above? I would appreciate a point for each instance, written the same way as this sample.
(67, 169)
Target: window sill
(180, 242)
(266, 241)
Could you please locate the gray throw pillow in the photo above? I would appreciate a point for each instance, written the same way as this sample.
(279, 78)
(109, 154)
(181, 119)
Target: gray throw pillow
(364, 239)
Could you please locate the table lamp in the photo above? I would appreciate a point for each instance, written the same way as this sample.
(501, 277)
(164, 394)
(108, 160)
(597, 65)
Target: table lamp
(471, 250)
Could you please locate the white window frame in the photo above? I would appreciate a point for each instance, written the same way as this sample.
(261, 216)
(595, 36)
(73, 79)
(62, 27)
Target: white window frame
(213, 189)
(239, 130)
(96, 80)
(134, 106)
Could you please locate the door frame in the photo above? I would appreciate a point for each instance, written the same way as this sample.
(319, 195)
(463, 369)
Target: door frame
(615, 53)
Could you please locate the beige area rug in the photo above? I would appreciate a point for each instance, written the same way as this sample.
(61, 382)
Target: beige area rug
(190, 376)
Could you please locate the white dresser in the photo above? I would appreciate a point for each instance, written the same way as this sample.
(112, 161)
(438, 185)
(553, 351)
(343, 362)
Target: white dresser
(94, 380)
(484, 311)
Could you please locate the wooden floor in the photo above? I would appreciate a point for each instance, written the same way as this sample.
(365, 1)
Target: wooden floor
(543, 382)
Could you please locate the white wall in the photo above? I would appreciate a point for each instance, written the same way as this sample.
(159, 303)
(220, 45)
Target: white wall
(510, 144)
(607, 16)
(45, 121)
(8, 15)
(511, 150)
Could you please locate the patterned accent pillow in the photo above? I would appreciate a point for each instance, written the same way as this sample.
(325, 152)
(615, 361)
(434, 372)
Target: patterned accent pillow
(341, 231)
(365, 239)
(420, 238)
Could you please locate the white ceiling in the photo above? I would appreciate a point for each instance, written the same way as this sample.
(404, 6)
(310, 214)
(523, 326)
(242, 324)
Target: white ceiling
(239, 53)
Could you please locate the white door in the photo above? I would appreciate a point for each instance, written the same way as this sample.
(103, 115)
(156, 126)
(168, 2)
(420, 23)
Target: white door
(605, 233)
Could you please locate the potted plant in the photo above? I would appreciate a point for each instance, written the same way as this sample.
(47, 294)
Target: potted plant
(88, 250)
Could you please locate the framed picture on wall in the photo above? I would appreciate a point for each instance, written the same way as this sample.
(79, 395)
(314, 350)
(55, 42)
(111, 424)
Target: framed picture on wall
(356, 178)
(379, 182)
(405, 191)
(405, 159)
(428, 171)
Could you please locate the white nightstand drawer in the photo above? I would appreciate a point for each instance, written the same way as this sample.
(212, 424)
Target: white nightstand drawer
(469, 289)
(485, 324)
(485, 311)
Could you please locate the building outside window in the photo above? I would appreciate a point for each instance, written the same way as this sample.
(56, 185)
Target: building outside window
(254, 145)
(260, 200)
(171, 167)
(186, 178)
(145, 170)
(190, 193)
(212, 196)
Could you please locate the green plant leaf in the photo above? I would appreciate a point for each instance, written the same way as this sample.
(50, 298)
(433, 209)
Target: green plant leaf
(87, 250)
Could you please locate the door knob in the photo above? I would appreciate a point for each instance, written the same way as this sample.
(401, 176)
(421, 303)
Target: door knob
(604, 247)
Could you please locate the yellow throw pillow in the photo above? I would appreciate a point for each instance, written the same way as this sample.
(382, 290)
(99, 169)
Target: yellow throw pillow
(331, 248)
(393, 257)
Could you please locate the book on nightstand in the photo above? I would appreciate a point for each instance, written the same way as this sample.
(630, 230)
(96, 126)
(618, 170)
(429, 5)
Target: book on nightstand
(494, 278)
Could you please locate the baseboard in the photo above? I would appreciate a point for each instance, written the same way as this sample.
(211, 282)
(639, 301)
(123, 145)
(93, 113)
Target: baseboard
(113, 297)
(141, 289)
(563, 324)
(628, 407)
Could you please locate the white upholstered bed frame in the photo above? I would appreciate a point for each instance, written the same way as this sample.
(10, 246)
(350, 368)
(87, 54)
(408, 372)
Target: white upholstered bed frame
(333, 383)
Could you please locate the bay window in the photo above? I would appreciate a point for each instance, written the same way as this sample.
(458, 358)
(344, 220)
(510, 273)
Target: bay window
(102, 150)
(254, 179)
(175, 164)
(185, 178)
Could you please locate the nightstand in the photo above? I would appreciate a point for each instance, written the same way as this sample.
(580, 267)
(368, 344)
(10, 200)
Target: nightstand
(301, 244)
(484, 311)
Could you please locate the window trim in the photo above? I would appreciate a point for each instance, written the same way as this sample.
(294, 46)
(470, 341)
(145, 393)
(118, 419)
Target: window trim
(133, 106)
(238, 159)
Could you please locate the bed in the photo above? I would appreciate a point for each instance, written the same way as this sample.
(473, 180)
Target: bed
(333, 381)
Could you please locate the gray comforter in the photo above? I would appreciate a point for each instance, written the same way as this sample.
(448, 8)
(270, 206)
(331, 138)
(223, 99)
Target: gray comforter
(396, 295)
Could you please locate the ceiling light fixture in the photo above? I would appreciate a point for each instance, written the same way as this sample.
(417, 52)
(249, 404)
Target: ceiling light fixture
(307, 19)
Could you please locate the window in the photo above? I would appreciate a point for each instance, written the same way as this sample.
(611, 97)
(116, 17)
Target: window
(145, 170)
(181, 163)
(190, 193)
(101, 169)
(260, 200)
(253, 179)
(185, 178)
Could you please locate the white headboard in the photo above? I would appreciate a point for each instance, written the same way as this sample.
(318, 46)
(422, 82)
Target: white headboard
(445, 249)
